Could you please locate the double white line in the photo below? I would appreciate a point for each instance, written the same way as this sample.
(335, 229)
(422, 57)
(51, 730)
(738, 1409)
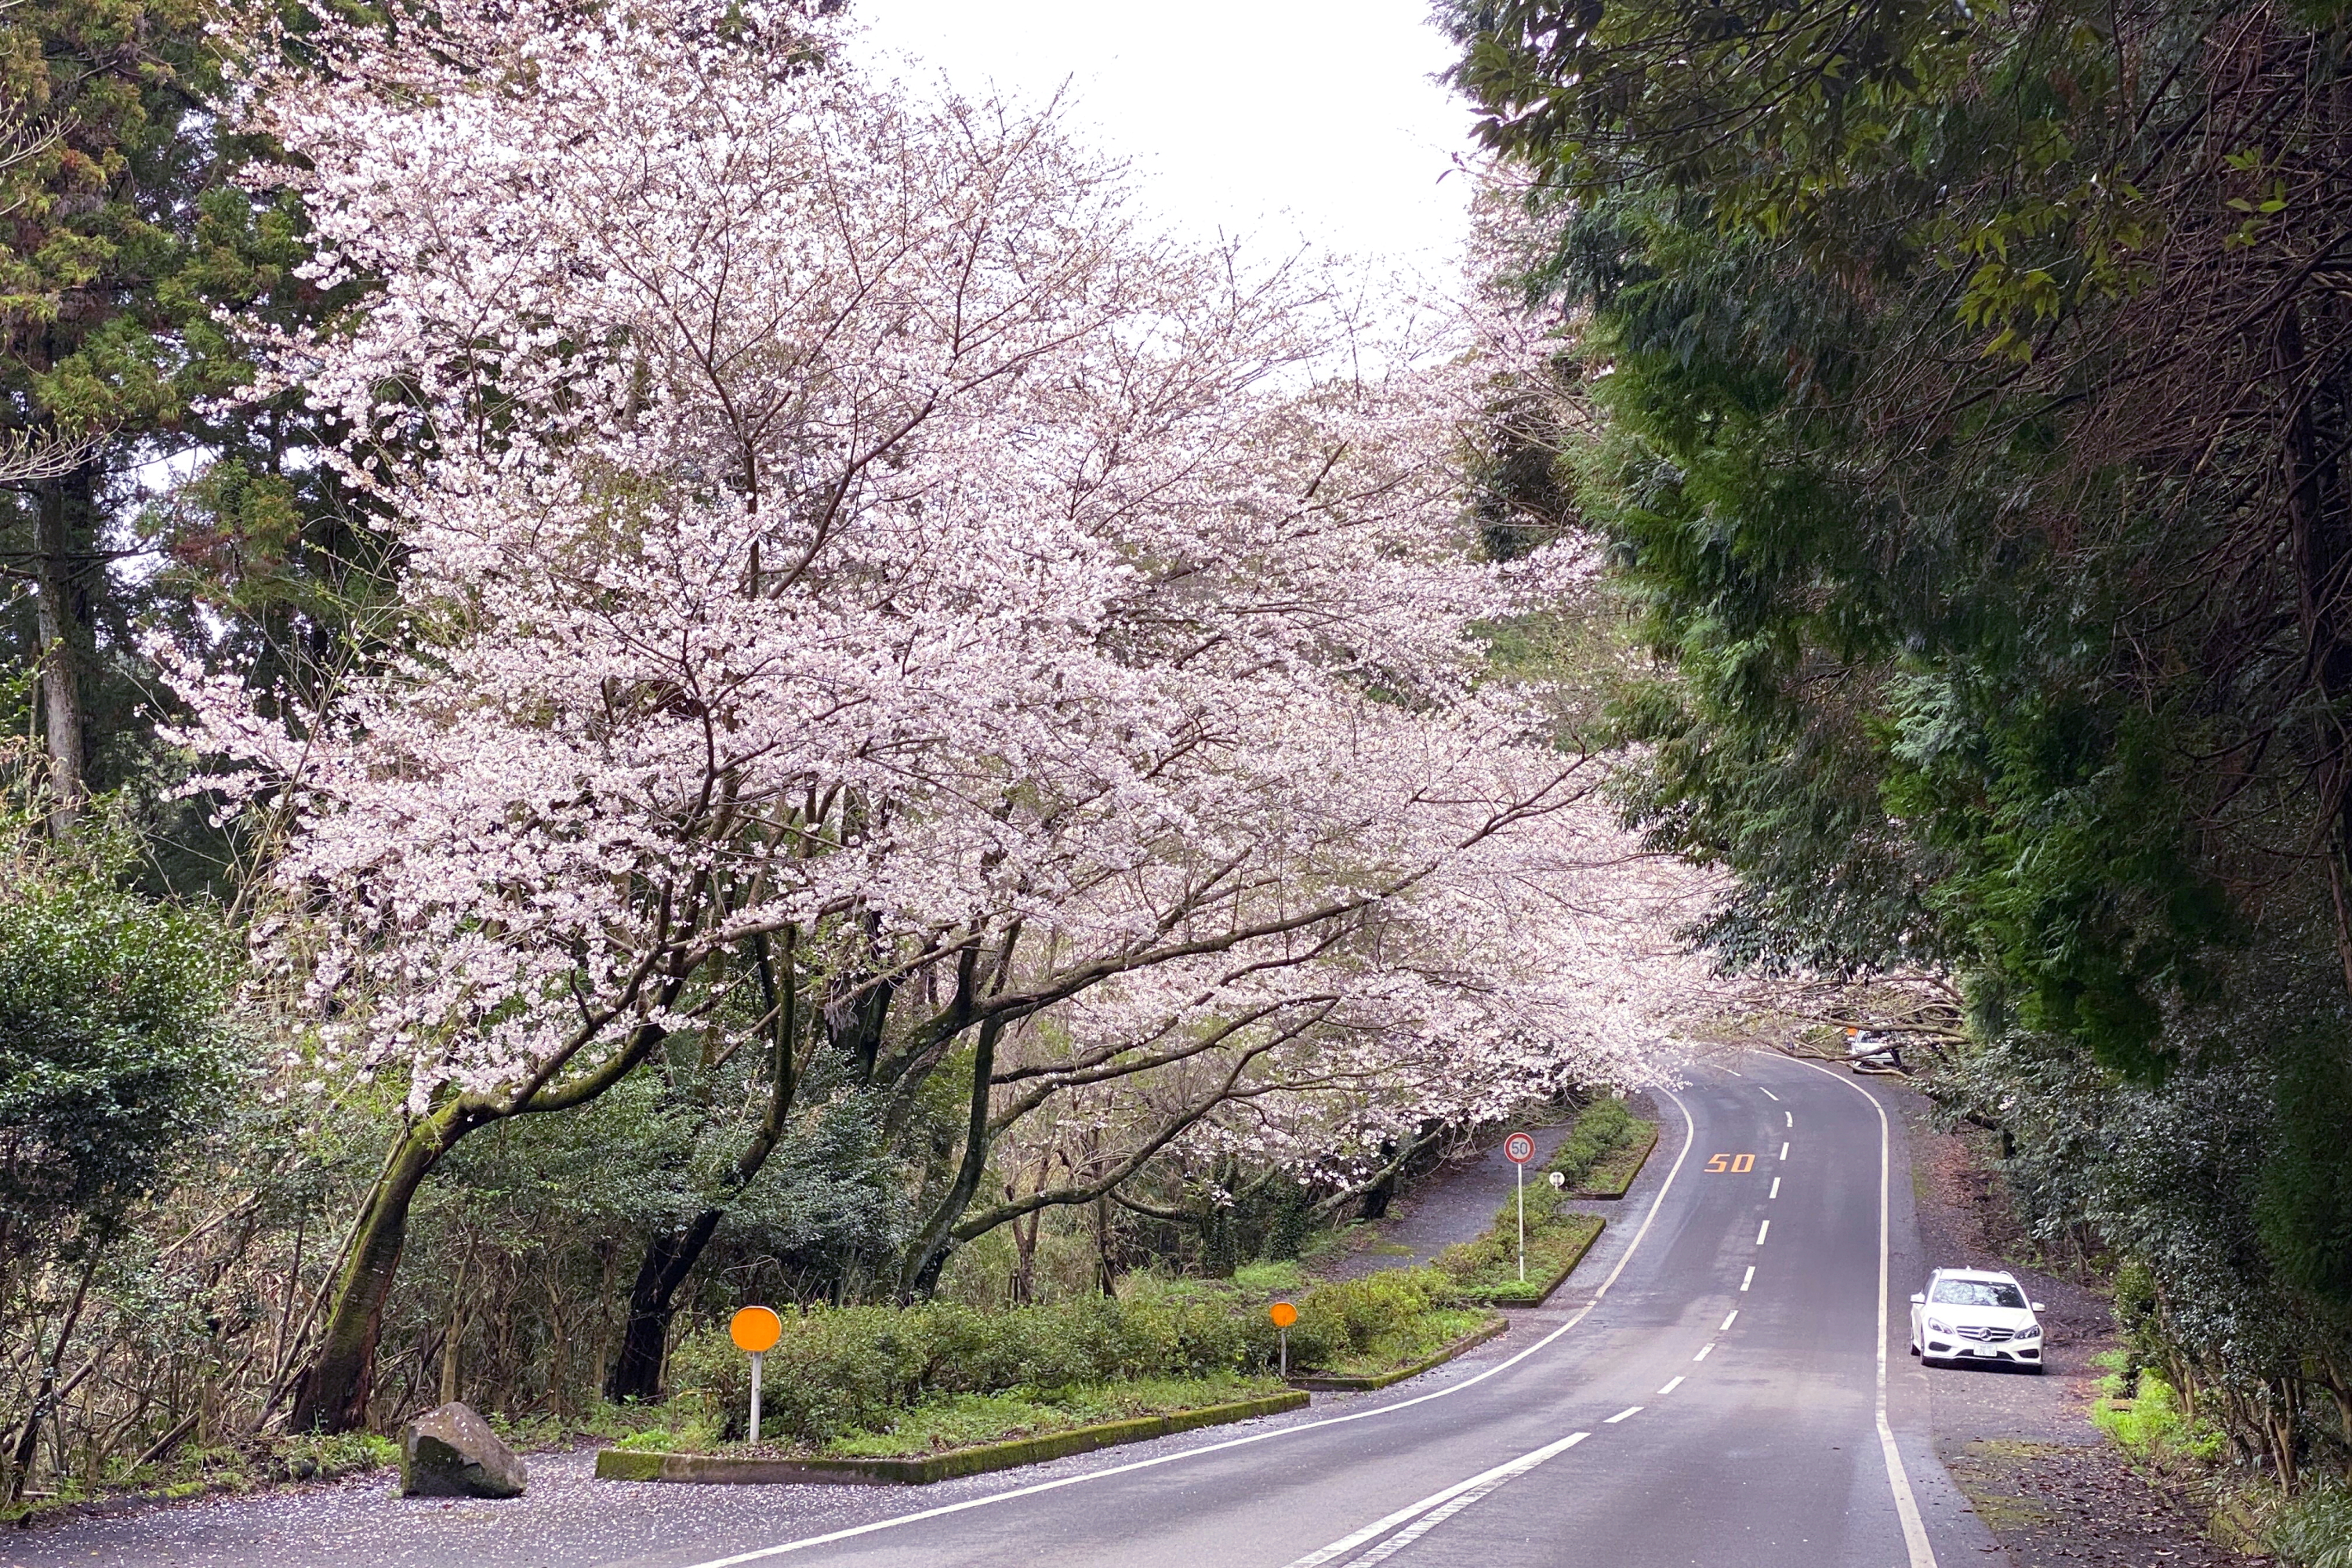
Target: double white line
(1421, 1518)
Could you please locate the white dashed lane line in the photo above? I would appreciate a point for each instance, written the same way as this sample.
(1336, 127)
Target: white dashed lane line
(1621, 1415)
(1791, 1116)
(1784, 1150)
(1672, 1383)
(1750, 1279)
(1703, 1351)
(1727, 1322)
(1776, 1188)
(1435, 1507)
(1761, 1231)
(1769, 1094)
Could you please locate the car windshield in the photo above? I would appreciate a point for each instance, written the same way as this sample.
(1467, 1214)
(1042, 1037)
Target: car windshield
(1976, 1293)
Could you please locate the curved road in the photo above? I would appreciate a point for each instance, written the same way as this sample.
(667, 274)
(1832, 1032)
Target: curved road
(1714, 1399)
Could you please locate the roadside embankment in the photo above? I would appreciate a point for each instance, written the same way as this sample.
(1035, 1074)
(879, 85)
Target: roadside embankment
(2026, 1451)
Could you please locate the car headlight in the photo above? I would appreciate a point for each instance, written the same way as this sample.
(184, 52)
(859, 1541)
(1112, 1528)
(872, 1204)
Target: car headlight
(2031, 1331)
(1937, 1326)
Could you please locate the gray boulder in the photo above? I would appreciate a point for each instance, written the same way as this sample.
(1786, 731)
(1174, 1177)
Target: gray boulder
(452, 1453)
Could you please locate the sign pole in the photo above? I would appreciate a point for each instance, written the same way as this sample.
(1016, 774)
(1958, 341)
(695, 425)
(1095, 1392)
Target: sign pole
(756, 1358)
(1518, 1171)
(1285, 1334)
(1518, 1149)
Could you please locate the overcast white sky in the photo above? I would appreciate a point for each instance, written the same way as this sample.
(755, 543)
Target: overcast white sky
(1279, 119)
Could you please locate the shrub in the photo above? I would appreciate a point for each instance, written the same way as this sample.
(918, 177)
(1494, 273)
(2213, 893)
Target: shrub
(112, 1049)
(844, 1369)
(2313, 1530)
(1603, 1128)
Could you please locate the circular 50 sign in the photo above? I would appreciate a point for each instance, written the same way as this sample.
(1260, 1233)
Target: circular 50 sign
(1518, 1148)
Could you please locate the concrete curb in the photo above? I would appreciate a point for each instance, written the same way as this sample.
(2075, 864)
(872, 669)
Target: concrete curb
(1631, 1177)
(1382, 1380)
(719, 1470)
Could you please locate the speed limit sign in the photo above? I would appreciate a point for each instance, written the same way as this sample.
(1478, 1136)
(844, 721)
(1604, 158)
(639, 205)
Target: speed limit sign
(1518, 1148)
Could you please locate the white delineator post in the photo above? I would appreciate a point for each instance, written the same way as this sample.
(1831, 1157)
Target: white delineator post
(756, 1358)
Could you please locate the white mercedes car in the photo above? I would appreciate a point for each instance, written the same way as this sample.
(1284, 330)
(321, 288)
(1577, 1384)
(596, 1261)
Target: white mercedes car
(1974, 1315)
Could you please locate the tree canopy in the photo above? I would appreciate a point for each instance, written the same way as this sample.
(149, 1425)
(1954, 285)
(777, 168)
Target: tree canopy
(1972, 386)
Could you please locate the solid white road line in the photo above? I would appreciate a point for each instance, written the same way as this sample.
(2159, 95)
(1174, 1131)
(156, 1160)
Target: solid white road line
(1776, 1188)
(1672, 1383)
(1784, 1150)
(761, 1553)
(1621, 1415)
(1727, 1322)
(1480, 1484)
(1703, 1351)
(1761, 1231)
(1906, 1506)
(1768, 1094)
(1748, 1278)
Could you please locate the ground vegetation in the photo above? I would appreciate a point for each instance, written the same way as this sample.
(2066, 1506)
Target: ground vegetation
(690, 677)
(1969, 391)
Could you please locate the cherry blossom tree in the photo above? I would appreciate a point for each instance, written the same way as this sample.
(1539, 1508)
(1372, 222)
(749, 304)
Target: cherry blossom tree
(861, 579)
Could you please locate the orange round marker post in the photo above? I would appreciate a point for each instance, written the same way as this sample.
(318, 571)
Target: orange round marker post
(1284, 1314)
(755, 1331)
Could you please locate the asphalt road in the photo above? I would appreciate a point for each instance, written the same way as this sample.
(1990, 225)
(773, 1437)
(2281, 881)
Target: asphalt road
(1709, 1393)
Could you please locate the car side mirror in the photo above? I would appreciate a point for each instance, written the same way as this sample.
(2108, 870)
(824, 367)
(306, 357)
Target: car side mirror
(1919, 1299)
(2038, 1307)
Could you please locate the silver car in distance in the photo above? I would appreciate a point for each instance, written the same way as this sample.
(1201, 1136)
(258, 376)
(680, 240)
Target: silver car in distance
(1975, 1314)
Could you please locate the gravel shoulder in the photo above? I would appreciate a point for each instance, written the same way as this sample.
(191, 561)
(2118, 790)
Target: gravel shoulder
(2048, 1484)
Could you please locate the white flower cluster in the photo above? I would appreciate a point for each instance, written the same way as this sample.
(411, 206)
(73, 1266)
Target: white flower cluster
(819, 506)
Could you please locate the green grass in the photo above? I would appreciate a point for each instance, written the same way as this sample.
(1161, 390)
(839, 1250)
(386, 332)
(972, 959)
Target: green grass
(1413, 1341)
(2146, 1422)
(947, 1421)
(1487, 1270)
(1269, 1278)
(967, 1420)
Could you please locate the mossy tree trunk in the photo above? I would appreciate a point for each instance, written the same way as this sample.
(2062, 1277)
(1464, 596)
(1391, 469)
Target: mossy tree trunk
(335, 1391)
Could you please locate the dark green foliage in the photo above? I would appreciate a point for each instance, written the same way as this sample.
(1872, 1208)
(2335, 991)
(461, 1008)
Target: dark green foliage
(113, 1050)
(1973, 444)
(2305, 1203)
(129, 231)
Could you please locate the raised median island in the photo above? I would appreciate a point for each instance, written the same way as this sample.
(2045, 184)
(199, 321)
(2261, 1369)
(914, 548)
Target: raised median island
(785, 1469)
(913, 1395)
